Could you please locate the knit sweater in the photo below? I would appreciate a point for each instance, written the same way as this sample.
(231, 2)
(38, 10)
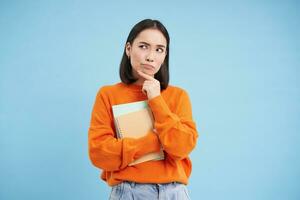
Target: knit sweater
(175, 132)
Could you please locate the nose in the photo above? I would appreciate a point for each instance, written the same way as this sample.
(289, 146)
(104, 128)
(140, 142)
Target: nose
(150, 57)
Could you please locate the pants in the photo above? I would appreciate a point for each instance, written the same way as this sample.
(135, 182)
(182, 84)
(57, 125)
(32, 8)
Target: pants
(141, 191)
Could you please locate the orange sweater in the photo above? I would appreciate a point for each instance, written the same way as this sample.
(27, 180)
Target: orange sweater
(176, 132)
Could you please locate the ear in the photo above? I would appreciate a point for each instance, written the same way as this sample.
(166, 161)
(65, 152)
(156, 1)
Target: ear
(128, 48)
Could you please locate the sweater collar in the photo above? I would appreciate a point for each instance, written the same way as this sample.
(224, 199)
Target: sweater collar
(132, 87)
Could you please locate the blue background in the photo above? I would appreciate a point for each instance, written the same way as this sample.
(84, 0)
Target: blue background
(238, 60)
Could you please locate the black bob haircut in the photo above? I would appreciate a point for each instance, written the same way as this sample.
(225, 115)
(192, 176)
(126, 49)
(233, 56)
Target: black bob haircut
(125, 66)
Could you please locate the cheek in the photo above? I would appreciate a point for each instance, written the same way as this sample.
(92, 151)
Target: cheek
(161, 60)
(136, 59)
(138, 55)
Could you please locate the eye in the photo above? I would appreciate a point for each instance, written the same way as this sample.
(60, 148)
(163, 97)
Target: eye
(143, 46)
(160, 50)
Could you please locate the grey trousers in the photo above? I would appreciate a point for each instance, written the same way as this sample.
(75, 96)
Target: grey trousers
(141, 191)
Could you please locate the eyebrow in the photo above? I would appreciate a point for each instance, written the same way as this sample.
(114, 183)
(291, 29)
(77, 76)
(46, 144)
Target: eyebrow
(159, 45)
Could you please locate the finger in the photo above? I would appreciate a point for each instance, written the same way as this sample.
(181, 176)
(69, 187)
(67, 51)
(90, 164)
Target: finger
(144, 90)
(145, 76)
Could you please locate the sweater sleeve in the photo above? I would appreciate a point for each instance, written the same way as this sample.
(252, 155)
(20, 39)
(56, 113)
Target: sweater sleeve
(106, 151)
(177, 131)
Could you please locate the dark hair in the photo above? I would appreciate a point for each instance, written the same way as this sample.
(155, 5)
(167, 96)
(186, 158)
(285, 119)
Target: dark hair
(125, 66)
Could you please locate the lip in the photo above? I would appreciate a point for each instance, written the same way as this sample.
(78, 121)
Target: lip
(148, 66)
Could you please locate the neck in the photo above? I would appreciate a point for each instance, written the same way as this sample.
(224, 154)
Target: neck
(140, 81)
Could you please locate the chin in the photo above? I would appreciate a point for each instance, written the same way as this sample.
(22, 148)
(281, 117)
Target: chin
(149, 73)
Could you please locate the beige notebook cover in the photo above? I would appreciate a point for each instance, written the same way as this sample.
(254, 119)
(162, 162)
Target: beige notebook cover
(135, 125)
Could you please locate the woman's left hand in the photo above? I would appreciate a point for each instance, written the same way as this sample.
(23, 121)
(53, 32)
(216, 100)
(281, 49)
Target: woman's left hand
(151, 86)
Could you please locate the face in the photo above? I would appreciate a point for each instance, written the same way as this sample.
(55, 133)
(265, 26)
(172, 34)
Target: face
(147, 52)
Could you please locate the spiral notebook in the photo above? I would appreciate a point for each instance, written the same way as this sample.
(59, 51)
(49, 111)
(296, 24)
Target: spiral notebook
(134, 120)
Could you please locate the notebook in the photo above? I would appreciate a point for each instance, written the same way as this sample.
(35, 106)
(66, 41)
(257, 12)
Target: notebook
(135, 124)
(134, 120)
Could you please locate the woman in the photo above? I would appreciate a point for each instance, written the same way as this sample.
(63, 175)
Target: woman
(144, 71)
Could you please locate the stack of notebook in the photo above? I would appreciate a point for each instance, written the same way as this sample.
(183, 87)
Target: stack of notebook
(134, 120)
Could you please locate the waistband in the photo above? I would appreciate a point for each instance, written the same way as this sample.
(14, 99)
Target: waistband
(157, 185)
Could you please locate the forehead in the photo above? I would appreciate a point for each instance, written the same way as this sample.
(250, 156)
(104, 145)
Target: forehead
(151, 36)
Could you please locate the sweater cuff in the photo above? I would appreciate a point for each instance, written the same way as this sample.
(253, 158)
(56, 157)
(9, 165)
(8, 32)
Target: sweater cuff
(147, 144)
